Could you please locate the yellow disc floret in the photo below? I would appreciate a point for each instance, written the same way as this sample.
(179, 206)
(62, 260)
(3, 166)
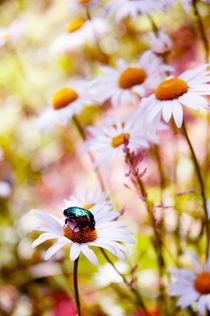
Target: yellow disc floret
(171, 89)
(131, 77)
(63, 97)
(76, 25)
(202, 283)
(119, 139)
(84, 1)
(80, 237)
(88, 206)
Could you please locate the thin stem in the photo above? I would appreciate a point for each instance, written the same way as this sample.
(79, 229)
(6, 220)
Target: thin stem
(153, 24)
(160, 168)
(203, 195)
(201, 29)
(76, 286)
(157, 241)
(133, 290)
(82, 134)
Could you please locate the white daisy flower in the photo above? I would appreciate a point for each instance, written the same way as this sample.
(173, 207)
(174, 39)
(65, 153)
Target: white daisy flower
(79, 33)
(14, 31)
(186, 90)
(148, 129)
(160, 42)
(66, 103)
(131, 8)
(108, 140)
(192, 286)
(94, 224)
(126, 81)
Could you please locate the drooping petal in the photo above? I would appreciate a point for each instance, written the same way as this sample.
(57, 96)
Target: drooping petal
(90, 255)
(74, 251)
(55, 247)
(43, 237)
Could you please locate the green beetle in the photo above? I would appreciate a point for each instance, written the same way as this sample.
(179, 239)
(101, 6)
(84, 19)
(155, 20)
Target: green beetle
(80, 216)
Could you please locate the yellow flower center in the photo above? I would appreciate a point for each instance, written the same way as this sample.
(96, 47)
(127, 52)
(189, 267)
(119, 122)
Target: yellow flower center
(63, 97)
(171, 89)
(131, 77)
(76, 25)
(84, 1)
(80, 237)
(119, 139)
(202, 283)
(88, 206)
(5, 36)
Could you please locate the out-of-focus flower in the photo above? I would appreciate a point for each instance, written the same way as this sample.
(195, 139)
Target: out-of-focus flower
(131, 8)
(62, 305)
(186, 3)
(192, 286)
(126, 81)
(107, 275)
(150, 312)
(106, 233)
(108, 140)
(5, 189)
(79, 33)
(80, 4)
(186, 90)
(14, 31)
(160, 42)
(65, 104)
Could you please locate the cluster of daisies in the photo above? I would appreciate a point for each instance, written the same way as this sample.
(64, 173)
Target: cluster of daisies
(153, 95)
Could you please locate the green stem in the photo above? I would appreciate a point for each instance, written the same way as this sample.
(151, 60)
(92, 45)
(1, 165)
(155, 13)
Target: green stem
(157, 242)
(76, 286)
(201, 29)
(200, 180)
(153, 24)
(133, 290)
(82, 134)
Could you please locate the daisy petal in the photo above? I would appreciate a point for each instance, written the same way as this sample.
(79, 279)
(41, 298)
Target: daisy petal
(43, 237)
(52, 250)
(74, 252)
(48, 219)
(90, 255)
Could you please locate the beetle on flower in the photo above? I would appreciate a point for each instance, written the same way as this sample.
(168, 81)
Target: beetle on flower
(98, 227)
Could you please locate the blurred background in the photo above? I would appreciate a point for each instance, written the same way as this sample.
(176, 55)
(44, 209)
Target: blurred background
(39, 170)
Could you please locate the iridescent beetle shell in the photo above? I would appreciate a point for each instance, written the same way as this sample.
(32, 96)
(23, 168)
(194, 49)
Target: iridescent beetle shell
(82, 217)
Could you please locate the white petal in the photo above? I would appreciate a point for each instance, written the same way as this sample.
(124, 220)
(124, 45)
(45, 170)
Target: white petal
(167, 111)
(195, 261)
(57, 246)
(43, 237)
(74, 251)
(203, 303)
(90, 255)
(48, 219)
(188, 298)
(178, 114)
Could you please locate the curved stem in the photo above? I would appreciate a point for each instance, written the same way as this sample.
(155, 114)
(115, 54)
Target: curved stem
(201, 29)
(133, 290)
(76, 286)
(157, 242)
(203, 195)
(82, 134)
